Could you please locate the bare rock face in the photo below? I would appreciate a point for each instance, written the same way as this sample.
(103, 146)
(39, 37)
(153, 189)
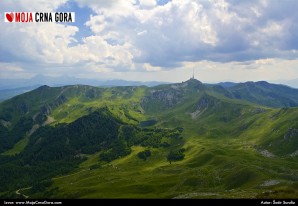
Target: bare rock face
(22, 108)
(5, 123)
(205, 102)
(46, 110)
(169, 97)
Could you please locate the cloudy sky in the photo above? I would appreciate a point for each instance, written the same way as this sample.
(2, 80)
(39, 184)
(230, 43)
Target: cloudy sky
(162, 40)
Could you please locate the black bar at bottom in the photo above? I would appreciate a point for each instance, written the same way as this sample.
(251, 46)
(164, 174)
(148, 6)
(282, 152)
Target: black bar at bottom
(138, 202)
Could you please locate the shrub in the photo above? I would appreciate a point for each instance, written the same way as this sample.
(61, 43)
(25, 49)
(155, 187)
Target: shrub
(144, 154)
(176, 155)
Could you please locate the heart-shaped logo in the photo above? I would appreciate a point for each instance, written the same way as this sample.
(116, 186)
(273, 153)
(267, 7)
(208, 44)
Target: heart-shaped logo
(10, 17)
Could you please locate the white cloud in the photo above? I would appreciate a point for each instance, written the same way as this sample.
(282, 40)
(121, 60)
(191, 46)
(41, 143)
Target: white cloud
(194, 30)
(142, 32)
(31, 6)
(273, 29)
(13, 70)
(147, 3)
(114, 8)
(142, 36)
(97, 23)
(264, 61)
(150, 68)
(176, 29)
(44, 42)
(10, 67)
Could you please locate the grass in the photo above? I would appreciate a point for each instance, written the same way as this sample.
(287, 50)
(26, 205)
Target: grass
(221, 159)
(222, 156)
(121, 101)
(210, 166)
(18, 147)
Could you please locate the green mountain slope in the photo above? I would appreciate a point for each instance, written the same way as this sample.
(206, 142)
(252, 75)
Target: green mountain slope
(263, 93)
(186, 140)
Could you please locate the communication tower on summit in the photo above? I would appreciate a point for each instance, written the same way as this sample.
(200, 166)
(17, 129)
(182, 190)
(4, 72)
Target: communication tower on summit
(193, 74)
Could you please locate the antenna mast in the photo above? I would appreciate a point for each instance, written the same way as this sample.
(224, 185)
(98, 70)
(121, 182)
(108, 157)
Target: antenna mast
(193, 73)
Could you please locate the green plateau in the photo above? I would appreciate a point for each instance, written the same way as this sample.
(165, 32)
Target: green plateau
(182, 140)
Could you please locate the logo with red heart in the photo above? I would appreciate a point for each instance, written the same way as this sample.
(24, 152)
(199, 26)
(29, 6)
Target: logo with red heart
(9, 16)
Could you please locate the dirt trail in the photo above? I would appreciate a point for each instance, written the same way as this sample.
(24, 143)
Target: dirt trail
(19, 193)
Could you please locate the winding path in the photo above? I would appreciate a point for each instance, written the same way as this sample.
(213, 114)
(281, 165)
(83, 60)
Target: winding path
(19, 193)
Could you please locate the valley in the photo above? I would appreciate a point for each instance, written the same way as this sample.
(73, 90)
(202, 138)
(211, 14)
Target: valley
(205, 141)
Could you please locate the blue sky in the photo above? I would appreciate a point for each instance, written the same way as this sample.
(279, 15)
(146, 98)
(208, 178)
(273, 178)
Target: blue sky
(163, 40)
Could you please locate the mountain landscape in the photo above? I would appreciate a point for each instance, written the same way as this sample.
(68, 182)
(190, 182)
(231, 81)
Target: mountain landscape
(13, 87)
(179, 140)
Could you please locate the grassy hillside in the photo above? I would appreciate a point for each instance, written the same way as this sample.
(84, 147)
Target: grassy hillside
(263, 93)
(204, 142)
(214, 166)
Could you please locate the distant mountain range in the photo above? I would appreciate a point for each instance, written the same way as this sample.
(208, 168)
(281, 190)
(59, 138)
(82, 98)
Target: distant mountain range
(67, 80)
(12, 87)
(247, 90)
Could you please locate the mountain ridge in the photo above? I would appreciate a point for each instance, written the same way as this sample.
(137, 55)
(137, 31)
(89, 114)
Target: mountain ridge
(185, 127)
(13, 87)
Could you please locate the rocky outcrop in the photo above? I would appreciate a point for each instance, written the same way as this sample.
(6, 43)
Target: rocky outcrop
(266, 153)
(166, 98)
(22, 107)
(291, 133)
(207, 101)
(294, 154)
(270, 183)
(5, 123)
(47, 109)
(203, 104)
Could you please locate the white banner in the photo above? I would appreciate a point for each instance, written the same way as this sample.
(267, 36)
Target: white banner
(28, 17)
